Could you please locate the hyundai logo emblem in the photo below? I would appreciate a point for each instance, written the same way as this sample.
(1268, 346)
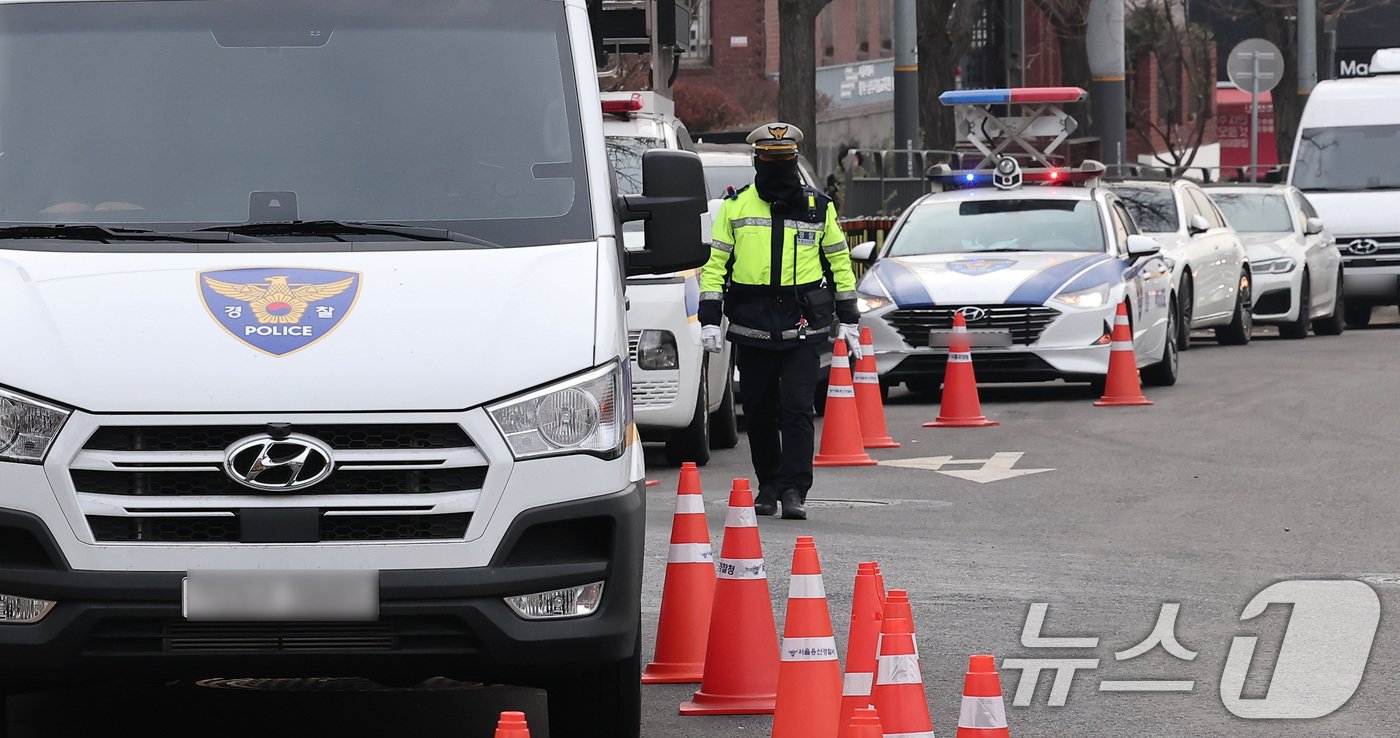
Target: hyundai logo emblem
(278, 465)
(971, 314)
(1364, 246)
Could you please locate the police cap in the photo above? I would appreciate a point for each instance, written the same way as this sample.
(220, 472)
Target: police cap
(775, 139)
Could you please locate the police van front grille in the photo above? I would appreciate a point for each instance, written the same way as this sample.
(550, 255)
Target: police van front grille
(145, 483)
(341, 437)
(1025, 322)
(1369, 251)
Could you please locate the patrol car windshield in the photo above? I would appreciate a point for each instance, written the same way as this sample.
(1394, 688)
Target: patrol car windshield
(1255, 213)
(985, 226)
(1348, 158)
(453, 115)
(1153, 208)
(625, 156)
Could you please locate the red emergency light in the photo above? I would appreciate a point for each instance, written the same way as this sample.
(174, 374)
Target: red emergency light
(623, 107)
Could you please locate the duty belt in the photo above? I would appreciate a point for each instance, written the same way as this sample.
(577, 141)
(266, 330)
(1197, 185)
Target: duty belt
(786, 335)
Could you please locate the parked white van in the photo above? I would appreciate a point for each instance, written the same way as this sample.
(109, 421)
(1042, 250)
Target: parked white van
(1347, 160)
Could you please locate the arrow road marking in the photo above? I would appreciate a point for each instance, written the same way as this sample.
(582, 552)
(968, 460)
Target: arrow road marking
(996, 469)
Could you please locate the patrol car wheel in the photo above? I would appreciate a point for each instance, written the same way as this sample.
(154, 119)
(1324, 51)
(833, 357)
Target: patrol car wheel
(607, 701)
(1164, 373)
(1358, 315)
(1334, 324)
(724, 422)
(692, 443)
(1241, 327)
(1299, 328)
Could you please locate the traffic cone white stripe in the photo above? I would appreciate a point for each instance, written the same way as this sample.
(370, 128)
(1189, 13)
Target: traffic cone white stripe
(843, 362)
(691, 553)
(740, 569)
(1121, 320)
(922, 734)
(843, 390)
(1121, 346)
(901, 669)
(689, 504)
(806, 587)
(982, 712)
(857, 685)
(809, 649)
(740, 517)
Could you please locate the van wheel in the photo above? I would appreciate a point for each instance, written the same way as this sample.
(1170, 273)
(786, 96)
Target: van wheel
(604, 702)
(1358, 315)
(724, 422)
(1334, 324)
(1241, 327)
(692, 443)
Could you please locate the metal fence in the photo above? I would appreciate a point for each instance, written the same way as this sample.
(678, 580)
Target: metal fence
(883, 182)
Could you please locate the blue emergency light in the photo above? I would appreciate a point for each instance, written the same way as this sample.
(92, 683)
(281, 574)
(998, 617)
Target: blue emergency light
(1013, 95)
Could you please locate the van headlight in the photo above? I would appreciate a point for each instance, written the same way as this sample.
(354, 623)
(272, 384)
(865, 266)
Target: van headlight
(27, 427)
(584, 414)
(1090, 298)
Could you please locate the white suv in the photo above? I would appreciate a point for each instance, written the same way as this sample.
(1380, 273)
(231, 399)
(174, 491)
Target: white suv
(682, 395)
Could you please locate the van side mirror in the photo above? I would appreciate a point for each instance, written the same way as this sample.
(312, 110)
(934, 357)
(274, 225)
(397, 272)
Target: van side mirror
(1141, 246)
(672, 203)
(1314, 226)
(1198, 225)
(864, 252)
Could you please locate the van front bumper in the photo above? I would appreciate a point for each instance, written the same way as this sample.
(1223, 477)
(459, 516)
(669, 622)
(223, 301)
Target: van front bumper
(433, 622)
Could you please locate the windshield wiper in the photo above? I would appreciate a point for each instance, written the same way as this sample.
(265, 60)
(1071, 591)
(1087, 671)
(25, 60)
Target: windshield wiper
(108, 234)
(1000, 249)
(334, 228)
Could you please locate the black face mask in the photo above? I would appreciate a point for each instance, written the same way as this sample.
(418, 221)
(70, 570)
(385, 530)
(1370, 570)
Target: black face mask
(777, 181)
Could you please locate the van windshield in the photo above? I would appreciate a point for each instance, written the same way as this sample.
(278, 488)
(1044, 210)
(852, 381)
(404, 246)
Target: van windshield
(1348, 158)
(181, 115)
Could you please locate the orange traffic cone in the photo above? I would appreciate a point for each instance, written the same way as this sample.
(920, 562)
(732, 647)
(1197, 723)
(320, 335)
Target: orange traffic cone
(897, 606)
(865, 723)
(841, 439)
(879, 583)
(688, 594)
(870, 407)
(960, 407)
(983, 711)
(899, 683)
(741, 658)
(809, 676)
(862, 654)
(512, 725)
(1122, 387)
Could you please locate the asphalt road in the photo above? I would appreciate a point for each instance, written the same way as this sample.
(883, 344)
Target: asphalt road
(1270, 462)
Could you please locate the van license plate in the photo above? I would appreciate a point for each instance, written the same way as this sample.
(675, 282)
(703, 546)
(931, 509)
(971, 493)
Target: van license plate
(351, 595)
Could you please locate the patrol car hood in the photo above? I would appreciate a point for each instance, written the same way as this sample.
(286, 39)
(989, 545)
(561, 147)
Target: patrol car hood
(990, 278)
(363, 331)
(1358, 214)
(1263, 246)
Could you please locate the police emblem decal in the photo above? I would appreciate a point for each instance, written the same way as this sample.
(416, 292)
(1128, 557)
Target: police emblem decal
(279, 310)
(977, 267)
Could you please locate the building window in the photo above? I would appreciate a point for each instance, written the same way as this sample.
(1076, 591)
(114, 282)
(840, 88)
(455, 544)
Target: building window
(886, 25)
(828, 32)
(863, 28)
(697, 52)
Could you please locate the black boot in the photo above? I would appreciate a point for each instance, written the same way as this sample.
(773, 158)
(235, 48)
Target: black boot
(765, 505)
(792, 506)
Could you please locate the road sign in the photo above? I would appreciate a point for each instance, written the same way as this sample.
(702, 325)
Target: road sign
(996, 469)
(1255, 66)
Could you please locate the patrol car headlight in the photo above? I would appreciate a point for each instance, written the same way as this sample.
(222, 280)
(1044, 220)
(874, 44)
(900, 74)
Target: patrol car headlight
(27, 427)
(656, 351)
(1274, 266)
(585, 414)
(866, 302)
(1091, 298)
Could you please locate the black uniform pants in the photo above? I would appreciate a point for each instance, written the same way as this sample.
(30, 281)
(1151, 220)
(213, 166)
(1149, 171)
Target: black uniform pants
(778, 386)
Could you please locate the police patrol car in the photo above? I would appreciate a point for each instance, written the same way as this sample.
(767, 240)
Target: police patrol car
(1035, 259)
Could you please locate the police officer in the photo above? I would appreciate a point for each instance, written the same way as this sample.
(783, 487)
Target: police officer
(780, 269)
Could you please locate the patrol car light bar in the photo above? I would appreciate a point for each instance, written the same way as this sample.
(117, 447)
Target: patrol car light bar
(1013, 95)
(979, 178)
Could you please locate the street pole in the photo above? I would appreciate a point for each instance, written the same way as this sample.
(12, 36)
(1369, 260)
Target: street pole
(1254, 122)
(1107, 90)
(906, 79)
(1307, 46)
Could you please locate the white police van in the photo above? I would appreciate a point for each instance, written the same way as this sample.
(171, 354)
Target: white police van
(315, 351)
(1347, 162)
(681, 394)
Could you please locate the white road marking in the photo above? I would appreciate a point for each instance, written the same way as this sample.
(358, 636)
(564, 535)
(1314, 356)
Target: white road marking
(996, 469)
